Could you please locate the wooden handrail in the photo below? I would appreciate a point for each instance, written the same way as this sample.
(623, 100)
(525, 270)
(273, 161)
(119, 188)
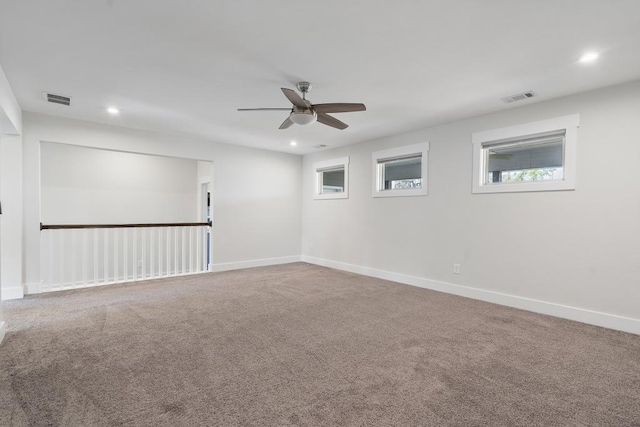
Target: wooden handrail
(166, 224)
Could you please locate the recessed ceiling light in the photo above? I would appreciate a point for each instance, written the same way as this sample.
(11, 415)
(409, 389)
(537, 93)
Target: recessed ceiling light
(293, 143)
(113, 110)
(588, 57)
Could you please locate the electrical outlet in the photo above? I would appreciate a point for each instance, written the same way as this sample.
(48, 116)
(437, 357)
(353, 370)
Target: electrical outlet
(456, 268)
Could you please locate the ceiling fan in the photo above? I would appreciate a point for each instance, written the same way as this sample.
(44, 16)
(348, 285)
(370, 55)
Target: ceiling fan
(303, 112)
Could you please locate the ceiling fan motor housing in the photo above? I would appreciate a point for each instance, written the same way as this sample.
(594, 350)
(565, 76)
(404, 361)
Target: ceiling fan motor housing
(304, 87)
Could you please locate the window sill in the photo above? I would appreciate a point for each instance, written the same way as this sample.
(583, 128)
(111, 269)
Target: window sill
(522, 187)
(400, 193)
(331, 196)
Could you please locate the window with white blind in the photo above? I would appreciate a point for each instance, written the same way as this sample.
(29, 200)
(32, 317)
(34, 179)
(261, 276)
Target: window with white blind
(400, 171)
(332, 179)
(539, 156)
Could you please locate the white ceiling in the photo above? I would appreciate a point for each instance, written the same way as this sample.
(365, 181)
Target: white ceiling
(184, 67)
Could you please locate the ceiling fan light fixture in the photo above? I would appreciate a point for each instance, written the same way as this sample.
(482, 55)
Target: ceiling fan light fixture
(303, 117)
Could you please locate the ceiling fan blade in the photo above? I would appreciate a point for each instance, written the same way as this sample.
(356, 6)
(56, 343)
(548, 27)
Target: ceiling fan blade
(264, 109)
(338, 108)
(287, 123)
(294, 98)
(326, 119)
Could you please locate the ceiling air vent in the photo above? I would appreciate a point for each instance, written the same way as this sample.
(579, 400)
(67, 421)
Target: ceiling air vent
(517, 97)
(320, 146)
(58, 99)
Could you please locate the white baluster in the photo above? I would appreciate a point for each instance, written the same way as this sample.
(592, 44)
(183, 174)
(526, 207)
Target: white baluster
(189, 245)
(152, 252)
(160, 257)
(61, 260)
(198, 237)
(143, 242)
(84, 257)
(74, 260)
(184, 252)
(134, 254)
(125, 254)
(168, 231)
(51, 238)
(105, 268)
(116, 244)
(175, 251)
(95, 256)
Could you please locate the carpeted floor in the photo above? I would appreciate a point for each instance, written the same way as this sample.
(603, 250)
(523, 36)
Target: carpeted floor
(302, 345)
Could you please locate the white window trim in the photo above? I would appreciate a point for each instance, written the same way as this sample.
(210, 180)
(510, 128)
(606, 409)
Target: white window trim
(569, 123)
(421, 148)
(330, 164)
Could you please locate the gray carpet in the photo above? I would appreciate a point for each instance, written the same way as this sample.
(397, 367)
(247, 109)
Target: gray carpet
(301, 345)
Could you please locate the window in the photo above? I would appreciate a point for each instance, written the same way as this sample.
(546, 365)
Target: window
(538, 156)
(400, 171)
(534, 158)
(332, 179)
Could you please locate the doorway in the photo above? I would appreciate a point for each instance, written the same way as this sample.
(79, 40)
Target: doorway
(205, 216)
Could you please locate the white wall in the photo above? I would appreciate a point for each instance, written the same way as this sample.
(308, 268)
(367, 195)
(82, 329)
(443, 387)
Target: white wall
(205, 171)
(10, 112)
(11, 225)
(10, 195)
(577, 250)
(256, 193)
(81, 185)
(3, 324)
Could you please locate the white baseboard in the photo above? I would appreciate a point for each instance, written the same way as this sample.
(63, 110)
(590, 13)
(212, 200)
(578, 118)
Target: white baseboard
(227, 266)
(3, 330)
(33, 288)
(15, 292)
(606, 320)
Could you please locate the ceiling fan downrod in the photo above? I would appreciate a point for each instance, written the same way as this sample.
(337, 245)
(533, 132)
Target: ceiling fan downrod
(303, 87)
